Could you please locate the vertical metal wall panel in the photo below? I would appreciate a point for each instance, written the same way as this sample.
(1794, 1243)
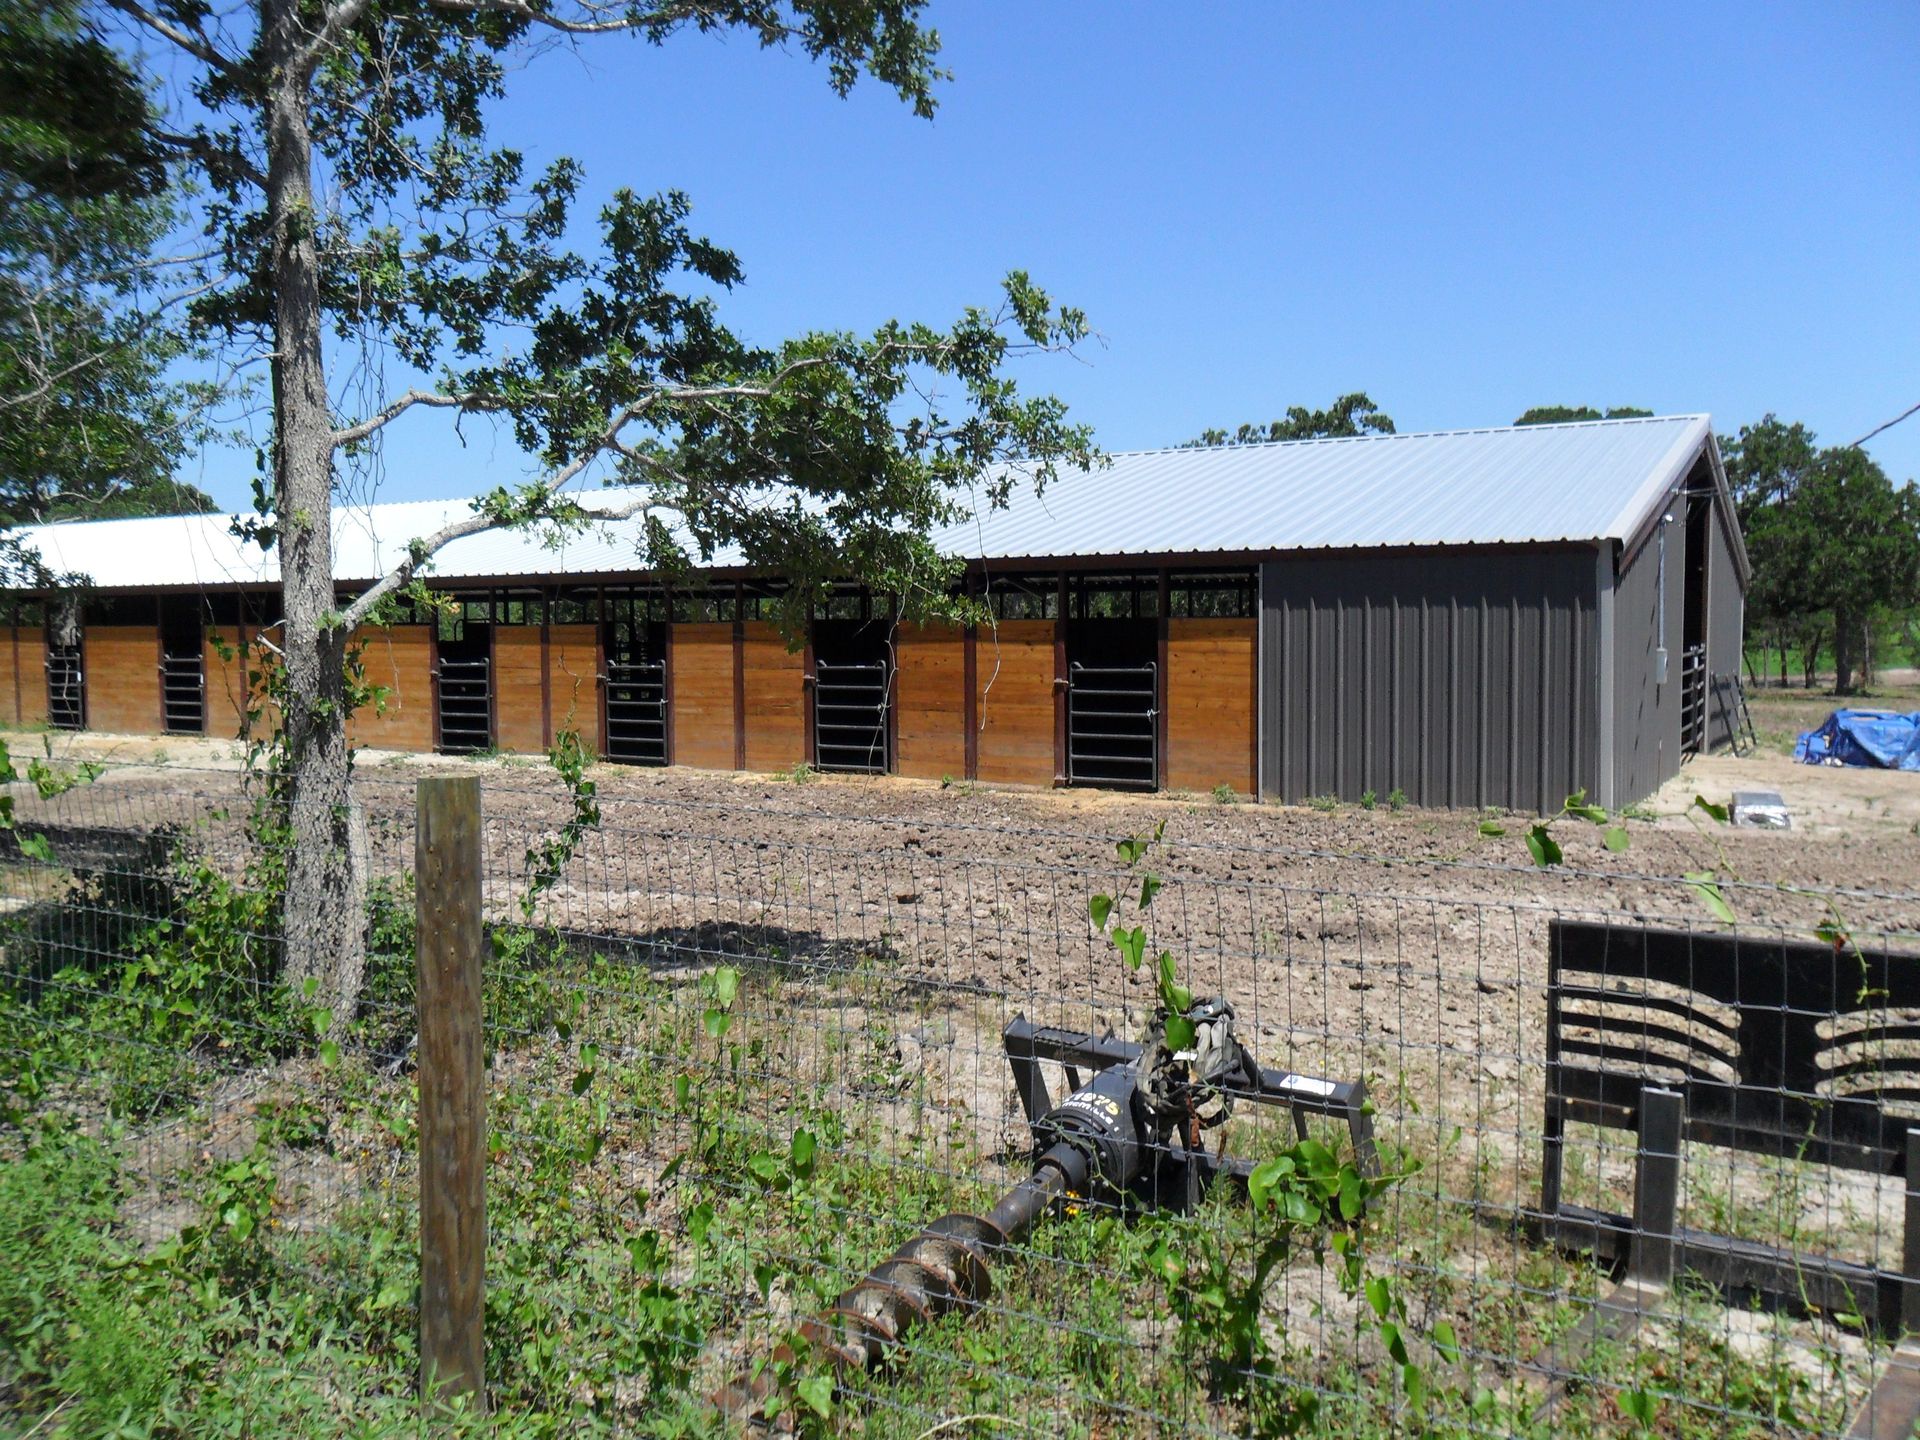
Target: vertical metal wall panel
(1646, 725)
(1463, 678)
(1726, 624)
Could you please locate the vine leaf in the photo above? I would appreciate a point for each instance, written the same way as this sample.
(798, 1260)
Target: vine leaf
(1492, 828)
(1542, 846)
(1099, 908)
(1703, 884)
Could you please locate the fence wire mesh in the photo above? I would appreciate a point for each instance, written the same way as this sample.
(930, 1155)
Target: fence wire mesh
(741, 1051)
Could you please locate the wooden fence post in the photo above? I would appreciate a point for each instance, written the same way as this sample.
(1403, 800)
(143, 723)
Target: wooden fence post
(453, 1094)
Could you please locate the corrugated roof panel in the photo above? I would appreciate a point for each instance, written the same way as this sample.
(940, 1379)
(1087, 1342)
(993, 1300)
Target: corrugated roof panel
(1586, 481)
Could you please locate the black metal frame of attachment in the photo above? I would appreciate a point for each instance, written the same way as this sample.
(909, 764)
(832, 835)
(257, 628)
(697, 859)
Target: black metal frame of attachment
(1747, 1042)
(1029, 1044)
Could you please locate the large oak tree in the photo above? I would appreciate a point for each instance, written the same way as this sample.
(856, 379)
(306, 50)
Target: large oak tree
(357, 198)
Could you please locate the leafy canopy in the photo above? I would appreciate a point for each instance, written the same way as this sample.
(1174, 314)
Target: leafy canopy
(1563, 414)
(90, 423)
(1353, 414)
(827, 455)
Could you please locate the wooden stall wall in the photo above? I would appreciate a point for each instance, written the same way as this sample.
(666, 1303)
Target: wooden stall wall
(123, 679)
(519, 719)
(227, 655)
(771, 675)
(930, 701)
(702, 695)
(23, 676)
(573, 683)
(399, 657)
(1210, 700)
(1014, 681)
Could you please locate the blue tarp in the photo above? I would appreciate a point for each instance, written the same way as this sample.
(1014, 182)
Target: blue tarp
(1885, 739)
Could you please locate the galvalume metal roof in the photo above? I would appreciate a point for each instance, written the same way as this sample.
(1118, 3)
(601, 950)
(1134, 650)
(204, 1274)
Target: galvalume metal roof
(1587, 481)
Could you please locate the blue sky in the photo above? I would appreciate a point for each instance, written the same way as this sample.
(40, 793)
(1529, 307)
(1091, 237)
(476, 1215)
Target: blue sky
(1463, 211)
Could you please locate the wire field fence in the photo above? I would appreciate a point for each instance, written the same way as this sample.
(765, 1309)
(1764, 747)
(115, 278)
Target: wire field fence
(1522, 1153)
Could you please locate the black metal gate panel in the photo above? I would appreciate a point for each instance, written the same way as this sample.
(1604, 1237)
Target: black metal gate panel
(66, 688)
(850, 717)
(1693, 700)
(466, 706)
(637, 713)
(183, 692)
(1112, 735)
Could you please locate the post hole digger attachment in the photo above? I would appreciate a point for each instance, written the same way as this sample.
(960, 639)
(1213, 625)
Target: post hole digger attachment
(1133, 1130)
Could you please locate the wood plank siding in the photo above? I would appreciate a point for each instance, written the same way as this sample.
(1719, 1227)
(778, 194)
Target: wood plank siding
(771, 673)
(702, 688)
(227, 654)
(1014, 677)
(400, 658)
(573, 683)
(519, 719)
(23, 676)
(123, 679)
(930, 700)
(1210, 697)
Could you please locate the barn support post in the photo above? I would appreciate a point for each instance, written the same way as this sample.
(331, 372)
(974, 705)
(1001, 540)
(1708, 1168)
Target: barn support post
(970, 702)
(453, 1094)
(740, 683)
(1606, 780)
(1162, 635)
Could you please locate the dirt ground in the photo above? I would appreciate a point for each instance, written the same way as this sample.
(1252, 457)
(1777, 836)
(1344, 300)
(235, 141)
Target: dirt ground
(891, 928)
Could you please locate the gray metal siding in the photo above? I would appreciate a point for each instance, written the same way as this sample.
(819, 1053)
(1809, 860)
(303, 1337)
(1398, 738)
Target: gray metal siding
(1462, 678)
(1726, 626)
(1646, 722)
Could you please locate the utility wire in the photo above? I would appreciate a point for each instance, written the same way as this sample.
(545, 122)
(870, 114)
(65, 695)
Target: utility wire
(1910, 410)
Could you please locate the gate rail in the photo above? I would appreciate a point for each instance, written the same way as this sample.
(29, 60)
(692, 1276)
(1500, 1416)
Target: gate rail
(465, 705)
(183, 692)
(1693, 700)
(1112, 729)
(850, 704)
(636, 700)
(66, 688)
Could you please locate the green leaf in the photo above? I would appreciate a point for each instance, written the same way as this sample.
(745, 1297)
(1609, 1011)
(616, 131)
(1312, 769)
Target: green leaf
(1132, 945)
(725, 986)
(583, 1082)
(1395, 1342)
(1542, 846)
(1446, 1342)
(682, 1089)
(816, 1391)
(1100, 907)
(1492, 828)
(1379, 1296)
(699, 1222)
(1179, 1033)
(1616, 838)
(1353, 1194)
(1639, 1405)
(1832, 934)
(1131, 850)
(1149, 887)
(715, 1021)
(35, 847)
(329, 1053)
(801, 1152)
(1717, 812)
(1703, 884)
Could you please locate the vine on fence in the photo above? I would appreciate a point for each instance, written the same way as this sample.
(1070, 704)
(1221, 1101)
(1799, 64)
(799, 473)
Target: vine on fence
(1305, 1197)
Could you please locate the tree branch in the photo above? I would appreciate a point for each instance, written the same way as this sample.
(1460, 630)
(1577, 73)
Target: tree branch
(195, 45)
(340, 19)
(520, 10)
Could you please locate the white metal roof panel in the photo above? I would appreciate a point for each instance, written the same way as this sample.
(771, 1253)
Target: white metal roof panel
(1586, 481)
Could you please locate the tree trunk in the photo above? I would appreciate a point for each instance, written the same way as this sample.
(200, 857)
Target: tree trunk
(1842, 652)
(322, 916)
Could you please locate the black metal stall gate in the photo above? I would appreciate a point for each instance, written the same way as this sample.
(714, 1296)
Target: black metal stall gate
(637, 712)
(183, 692)
(850, 729)
(66, 688)
(1112, 729)
(466, 705)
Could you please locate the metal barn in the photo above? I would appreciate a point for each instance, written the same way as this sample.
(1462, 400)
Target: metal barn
(1485, 617)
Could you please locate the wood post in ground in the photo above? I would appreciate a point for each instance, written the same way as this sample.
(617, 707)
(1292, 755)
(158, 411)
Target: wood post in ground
(453, 1095)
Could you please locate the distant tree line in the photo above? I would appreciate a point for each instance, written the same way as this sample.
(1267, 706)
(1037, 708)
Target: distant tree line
(1835, 547)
